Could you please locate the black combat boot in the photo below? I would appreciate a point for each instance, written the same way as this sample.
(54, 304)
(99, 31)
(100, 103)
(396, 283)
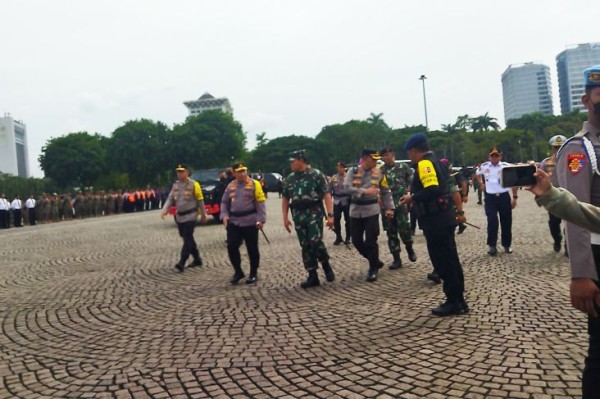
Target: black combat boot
(329, 274)
(237, 276)
(180, 266)
(412, 256)
(338, 240)
(312, 280)
(397, 263)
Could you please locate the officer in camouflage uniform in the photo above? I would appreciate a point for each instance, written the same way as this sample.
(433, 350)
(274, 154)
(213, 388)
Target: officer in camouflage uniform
(548, 165)
(304, 191)
(398, 178)
(189, 201)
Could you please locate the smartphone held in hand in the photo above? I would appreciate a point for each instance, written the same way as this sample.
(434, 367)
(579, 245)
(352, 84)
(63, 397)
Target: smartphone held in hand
(518, 176)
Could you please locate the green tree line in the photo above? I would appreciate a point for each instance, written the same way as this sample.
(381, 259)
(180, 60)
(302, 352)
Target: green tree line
(144, 152)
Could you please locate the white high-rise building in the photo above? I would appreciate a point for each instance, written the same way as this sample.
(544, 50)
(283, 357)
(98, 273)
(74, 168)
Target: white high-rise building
(14, 153)
(206, 102)
(526, 88)
(570, 65)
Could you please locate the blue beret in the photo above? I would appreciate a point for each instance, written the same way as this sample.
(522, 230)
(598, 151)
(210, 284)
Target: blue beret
(415, 140)
(591, 76)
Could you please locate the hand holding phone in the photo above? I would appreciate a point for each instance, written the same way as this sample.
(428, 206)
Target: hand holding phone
(518, 176)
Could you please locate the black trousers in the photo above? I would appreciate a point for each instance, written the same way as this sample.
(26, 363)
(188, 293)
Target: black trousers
(591, 372)
(498, 205)
(4, 219)
(32, 221)
(338, 211)
(554, 224)
(186, 231)
(235, 236)
(364, 238)
(17, 218)
(444, 257)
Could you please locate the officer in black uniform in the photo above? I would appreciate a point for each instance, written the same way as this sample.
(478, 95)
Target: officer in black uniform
(430, 198)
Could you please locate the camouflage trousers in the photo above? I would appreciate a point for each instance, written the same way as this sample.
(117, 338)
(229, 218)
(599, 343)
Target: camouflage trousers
(398, 226)
(309, 228)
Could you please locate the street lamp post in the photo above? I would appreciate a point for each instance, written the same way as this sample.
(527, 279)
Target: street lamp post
(422, 79)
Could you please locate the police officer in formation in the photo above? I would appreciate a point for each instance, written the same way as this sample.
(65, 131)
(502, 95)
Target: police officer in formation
(497, 202)
(243, 214)
(398, 177)
(578, 171)
(16, 206)
(366, 184)
(4, 212)
(30, 205)
(187, 195)
(548, 165)
(341, 204)
(431, 201)
(304, 191)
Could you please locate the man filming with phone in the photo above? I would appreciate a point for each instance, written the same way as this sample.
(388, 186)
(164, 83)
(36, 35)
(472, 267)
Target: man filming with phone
(497, 201)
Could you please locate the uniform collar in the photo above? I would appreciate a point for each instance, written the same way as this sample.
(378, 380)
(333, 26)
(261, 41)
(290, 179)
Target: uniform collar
(588, 127)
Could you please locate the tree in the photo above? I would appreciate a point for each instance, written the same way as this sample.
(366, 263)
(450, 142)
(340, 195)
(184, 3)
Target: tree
(211, 139)
(377, 120)
(484, 123)
(76, 159)
(274, 155)
(261, 139)
(137, 148)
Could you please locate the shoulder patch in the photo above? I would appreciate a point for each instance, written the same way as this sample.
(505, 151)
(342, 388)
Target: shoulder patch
(575, 162)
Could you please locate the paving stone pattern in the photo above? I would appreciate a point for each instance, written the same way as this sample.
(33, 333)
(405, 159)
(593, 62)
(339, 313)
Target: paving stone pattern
(94, 309)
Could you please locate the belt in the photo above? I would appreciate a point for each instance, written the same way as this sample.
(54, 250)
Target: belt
(186, 212)
(340, 195)
(243, 213)
(305, 205)
(496, 194)
(365, 202)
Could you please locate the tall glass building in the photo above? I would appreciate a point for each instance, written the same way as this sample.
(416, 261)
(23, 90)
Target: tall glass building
(526, 88)
(14, 158)
(570, 65)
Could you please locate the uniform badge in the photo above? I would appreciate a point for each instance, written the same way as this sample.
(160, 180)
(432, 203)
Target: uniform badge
(575, 163)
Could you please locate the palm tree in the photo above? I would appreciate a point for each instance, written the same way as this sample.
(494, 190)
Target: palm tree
(484, 123)
(377, 120)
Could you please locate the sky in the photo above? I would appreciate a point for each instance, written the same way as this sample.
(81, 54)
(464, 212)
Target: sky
(286, 66)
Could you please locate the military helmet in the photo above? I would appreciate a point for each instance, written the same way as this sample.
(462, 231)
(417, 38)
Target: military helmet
(557, 141)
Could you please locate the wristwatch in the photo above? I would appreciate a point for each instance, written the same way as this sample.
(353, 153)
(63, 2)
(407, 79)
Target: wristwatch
(329, 215)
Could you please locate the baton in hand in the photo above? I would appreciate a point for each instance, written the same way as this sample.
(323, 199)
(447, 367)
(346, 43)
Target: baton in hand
(265, 235)
(472, 225)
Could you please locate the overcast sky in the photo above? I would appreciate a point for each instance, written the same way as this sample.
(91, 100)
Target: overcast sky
(287, 66)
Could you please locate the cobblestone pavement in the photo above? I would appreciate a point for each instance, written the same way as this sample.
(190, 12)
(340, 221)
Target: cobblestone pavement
(94, 309)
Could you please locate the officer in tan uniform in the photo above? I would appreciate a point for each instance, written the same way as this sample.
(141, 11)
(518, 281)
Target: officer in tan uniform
(189, 202)
(243, 213)
(578, 171)
(366, 184)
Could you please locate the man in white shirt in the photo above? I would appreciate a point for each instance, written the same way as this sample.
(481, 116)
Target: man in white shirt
(15, 205)
(30, 205)
(497, 202)
(4, 212)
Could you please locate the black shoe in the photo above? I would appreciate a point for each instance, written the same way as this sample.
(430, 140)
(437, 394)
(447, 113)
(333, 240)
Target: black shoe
(338, 241)
(311, 281)
(412, 256)
(492, 250)
(464, 305)
(461, 228)
(379, 264)
(196, 263)
(433, 276)
(347, 241)
(508, 250)
(372, 276)
(252, 279)
(449, 309)
(180, 266)
(237, 276)
(329, 274)
(557, 246)
(478, 202)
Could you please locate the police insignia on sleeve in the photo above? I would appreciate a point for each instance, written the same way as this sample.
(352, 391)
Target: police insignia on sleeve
(575, 163)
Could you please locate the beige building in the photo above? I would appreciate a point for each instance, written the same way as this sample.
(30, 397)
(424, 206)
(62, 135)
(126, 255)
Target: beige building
(206, 102)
